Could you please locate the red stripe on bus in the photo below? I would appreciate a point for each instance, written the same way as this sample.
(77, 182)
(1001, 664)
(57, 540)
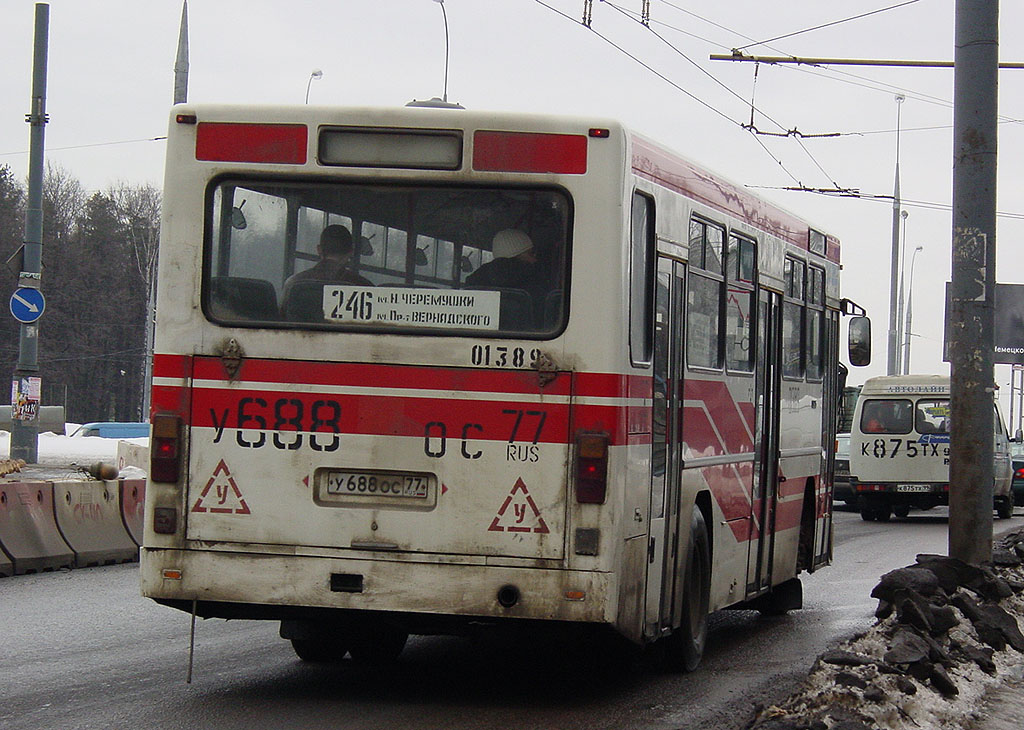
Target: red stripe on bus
(172, 366)
(489, 420)
(724, 412)
(412, 377)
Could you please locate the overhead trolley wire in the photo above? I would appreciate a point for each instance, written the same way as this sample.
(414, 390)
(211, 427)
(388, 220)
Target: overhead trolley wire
(827, 25)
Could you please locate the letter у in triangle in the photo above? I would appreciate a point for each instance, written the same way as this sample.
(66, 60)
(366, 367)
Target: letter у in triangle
(523, 515)
(221, 495)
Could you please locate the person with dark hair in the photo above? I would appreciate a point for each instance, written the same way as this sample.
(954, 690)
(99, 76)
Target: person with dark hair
(335, 252)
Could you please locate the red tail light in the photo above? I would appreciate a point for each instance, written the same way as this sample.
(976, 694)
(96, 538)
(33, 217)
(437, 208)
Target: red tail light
(1019, 474)
(165, 448)
(591, 468)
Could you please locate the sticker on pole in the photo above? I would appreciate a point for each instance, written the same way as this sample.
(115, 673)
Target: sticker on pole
(519, 513)
(221, 495)
(27, 305)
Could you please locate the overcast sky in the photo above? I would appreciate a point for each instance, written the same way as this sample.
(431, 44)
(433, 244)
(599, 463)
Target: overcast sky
(111, 72)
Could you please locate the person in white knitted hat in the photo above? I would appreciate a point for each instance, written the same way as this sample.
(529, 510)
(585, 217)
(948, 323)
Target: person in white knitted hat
(514, 265)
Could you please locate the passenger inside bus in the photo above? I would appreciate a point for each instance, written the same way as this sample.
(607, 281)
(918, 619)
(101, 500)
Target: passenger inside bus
(335, 252)
(516, 272)
(302, 300)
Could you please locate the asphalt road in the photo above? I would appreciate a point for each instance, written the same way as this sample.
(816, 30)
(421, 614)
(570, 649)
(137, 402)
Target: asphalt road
(82, 649)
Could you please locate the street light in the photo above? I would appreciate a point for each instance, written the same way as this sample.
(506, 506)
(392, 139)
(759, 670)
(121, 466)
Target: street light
(892, 366)
(314, 74)
(900, 299)
(910, 302)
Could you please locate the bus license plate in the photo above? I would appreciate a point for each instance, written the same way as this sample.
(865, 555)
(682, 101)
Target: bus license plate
(378, 484)
(913, 488)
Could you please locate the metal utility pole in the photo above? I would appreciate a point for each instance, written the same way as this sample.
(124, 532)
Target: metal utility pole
(27, 302)
(181, 60)
(180, 96)
(971, 338)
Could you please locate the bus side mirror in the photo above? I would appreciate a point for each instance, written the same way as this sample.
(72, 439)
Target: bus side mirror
(860, 341)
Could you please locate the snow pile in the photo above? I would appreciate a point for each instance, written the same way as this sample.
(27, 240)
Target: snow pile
(947, 633)
(75, 453)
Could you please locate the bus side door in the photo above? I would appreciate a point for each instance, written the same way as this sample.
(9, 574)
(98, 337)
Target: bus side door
(766, 445)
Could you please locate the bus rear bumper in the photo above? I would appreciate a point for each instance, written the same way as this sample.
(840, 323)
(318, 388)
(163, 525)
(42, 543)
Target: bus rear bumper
(429, 597)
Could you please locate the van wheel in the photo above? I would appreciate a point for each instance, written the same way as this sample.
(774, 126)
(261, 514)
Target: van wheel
(1004, 508)
(685, 647)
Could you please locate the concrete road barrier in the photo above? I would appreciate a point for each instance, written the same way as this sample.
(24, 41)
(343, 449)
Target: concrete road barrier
(129, 454)
(133, 508)
(28, 531)
(88, 515)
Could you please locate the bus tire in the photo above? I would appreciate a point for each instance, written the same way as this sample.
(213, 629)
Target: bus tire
(377, 643)
(685, 647)
(1004, 507)
(901, 510)
(319, 651)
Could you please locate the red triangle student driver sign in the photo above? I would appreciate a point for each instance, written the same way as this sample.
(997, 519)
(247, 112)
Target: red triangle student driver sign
(221, 495)
(523, 515)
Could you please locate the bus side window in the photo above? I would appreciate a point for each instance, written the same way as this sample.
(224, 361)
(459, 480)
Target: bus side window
(641, 276)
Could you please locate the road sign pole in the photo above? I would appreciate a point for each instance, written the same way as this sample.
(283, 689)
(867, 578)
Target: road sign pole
(25, 433)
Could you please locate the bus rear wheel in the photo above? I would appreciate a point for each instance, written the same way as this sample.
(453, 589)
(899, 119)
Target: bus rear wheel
(377, 643)
(319, 651)
(685, 647)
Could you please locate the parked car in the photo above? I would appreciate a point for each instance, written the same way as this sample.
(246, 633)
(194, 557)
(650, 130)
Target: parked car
(842, 490)
(1017, 486)
(113, 430)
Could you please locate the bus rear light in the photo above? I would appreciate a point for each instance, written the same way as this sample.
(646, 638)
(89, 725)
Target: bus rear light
(185, 118)
(591, 468)
(529, 152)
(165, 448)
(231, 142)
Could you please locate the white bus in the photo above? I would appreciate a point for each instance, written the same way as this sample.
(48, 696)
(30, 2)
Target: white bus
(638, 435)
(899, 448)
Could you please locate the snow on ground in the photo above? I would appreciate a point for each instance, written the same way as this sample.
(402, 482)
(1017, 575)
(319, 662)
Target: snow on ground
(870, 682)
(74, 453)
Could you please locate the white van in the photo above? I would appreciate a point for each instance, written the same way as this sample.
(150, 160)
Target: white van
(899, 447)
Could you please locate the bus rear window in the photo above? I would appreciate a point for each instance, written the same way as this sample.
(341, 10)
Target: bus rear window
(412, 259)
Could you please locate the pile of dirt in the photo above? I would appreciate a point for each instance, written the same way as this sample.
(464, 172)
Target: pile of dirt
(947, 632)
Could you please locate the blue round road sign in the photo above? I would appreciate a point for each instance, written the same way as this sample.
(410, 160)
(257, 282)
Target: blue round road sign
(27, 305)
